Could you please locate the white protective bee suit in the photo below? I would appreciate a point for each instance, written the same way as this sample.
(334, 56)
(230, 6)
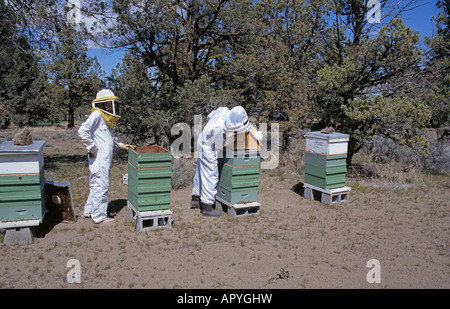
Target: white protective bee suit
(99, 141)
(207, 173)
(209, 141)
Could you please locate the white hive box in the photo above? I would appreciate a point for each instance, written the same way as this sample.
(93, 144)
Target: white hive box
(21, 159)
(326, 144)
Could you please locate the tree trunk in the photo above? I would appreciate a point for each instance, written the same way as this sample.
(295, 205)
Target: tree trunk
(351, 150)
(71, 121)
(285, 142)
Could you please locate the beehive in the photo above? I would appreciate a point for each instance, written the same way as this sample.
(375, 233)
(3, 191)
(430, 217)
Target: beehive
(22, 183)
(325, 159)
(149, 178)
(238, 179)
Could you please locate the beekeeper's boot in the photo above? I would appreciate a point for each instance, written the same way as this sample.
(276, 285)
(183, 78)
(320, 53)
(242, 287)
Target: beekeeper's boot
(195, 202)
(207, 210)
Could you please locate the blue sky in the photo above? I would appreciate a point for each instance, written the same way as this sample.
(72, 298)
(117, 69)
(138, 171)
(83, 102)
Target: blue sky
(418, 19)
(108, 59)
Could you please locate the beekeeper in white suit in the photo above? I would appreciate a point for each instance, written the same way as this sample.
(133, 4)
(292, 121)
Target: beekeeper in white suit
(209, 141)
(99, 141)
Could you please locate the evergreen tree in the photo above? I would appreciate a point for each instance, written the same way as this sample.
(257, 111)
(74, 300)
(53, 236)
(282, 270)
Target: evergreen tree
(144, 118)
(176, 40)
(272, 69)
(178, 44)
(437, 95)
(19, 74)
(365, 85)
(74, 76)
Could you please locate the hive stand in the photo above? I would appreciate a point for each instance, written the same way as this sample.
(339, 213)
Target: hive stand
(329, 197)
(238, 210)
(18, 233)
(149, 220)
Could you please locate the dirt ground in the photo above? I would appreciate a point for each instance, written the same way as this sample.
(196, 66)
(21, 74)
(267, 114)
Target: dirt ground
(321, 246)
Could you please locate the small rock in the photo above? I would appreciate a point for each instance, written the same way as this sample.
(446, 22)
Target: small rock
(327, 130)
(23, 137)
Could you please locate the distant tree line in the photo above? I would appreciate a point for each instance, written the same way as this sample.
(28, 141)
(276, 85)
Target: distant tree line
(302, 64)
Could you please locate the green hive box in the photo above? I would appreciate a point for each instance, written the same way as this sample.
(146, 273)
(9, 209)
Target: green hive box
(325, 160)
(327, 172)
(149, 178)
(22, 183)
(238, 179)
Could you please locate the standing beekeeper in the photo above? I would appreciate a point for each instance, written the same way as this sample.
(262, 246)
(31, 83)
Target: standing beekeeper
(209, 141)
(97, 136)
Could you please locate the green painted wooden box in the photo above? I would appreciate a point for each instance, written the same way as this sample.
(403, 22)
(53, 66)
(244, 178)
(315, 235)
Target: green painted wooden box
(149, 178)
(327, 172)
(329, 182)
(22, 182)
(22, 197)
(325, 161)
(238, 179)
(238, 196)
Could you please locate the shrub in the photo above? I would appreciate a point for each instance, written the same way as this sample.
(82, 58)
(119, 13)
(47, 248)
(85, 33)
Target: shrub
(438, 160)
(183, 171)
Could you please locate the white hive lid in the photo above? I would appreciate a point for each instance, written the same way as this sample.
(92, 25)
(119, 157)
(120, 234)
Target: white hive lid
(332, 136)
(9, 148)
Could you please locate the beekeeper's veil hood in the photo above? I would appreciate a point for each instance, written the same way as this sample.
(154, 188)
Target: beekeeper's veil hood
(107, 102)
(237, 121)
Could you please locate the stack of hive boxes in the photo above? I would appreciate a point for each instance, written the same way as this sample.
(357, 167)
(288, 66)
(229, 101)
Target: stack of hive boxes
(149, 186)
(325, 166)
(238, 179)
(239, 164)
(22, 185)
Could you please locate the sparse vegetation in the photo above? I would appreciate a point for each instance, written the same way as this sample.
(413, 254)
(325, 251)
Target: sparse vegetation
(284, 63)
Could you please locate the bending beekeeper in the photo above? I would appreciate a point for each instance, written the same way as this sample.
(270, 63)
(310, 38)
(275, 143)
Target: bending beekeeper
(213, 136)
(97, 136)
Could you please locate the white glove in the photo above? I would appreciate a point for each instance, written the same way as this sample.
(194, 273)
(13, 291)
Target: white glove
(259, 136)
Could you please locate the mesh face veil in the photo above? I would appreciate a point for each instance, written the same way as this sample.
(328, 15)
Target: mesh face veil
(107, 102)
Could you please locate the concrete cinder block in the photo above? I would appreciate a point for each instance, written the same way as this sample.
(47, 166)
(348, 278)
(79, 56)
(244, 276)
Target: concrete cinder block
(14, 236)
(239, 209)
(144, 224)
(329, 197)
(335, 198)
(149, 220)
(308, 194)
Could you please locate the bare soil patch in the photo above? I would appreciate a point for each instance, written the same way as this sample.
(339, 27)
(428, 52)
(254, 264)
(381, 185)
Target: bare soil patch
(320, 246)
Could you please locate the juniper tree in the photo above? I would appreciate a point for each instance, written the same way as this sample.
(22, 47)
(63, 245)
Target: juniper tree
(272, 70)
(178, 44)
(437, 94)
(74, 76)
(365, 86)
(20, 74)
